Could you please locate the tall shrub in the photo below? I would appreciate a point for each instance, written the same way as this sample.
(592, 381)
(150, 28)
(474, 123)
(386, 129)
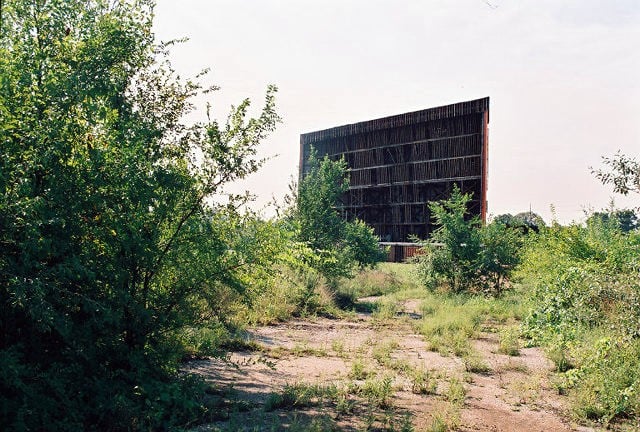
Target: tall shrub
(464, 255)
(583, 282)
(109, 242)
(339, 244)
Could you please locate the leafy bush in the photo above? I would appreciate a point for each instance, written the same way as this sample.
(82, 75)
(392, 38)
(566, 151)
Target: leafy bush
(499, 255)
(462, 254)
(362, 244)
(111, 241)
(584, 284)
(607, 383)
(509, 341)
(523, 222)
(582, 277)
(339, 245)
(454, 251)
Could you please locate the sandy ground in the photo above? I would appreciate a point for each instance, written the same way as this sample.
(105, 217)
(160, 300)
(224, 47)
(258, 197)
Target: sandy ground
(514, 395)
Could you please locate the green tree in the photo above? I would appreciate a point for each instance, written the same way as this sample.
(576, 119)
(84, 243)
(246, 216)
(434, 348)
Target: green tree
(625, 219)
(500, 254)
(454, 249)
(464, 254)
(109, 243)
(338, 244)
(524, 221)
(623, 173)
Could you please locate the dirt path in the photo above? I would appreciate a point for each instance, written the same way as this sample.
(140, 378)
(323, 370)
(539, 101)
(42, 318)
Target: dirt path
(366, 374)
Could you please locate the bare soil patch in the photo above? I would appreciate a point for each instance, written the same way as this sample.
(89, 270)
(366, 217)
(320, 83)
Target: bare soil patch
(356, 354)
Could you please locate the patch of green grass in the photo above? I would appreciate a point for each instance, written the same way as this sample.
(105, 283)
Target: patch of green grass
(526, 390)
(514, 366)
(305, 350)
(450, 320)
(372, 282)
(439, 423)
(400, 365)
(260, 421)
(445, 418)
(301, 395)
(410, 293)
(322, 423)
(450, 343)
(405, 273)
(423, 381)
(387, 309)
(214, 340)
(474, 363)
(382, 352)
(337, 345)
(509, 341)
(377, 392)
(298, 350)
(456, 392)
(448, 326)
(359, 370)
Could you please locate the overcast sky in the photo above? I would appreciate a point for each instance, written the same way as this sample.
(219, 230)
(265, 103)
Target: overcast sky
(563, 77)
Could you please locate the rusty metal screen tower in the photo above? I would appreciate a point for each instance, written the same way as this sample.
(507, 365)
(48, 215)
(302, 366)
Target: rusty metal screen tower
(398, 164)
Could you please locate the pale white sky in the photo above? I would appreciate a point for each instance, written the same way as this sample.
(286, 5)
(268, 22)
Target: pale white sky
(563, 77)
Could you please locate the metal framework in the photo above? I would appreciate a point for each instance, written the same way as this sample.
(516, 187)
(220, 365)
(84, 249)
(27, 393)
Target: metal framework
(398, 164)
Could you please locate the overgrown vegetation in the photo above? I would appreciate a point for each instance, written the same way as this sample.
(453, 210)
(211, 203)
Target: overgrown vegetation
(120, 251)
(465, 255)
(339, 245)
(579, 284)
(586, 312)
(112, 246)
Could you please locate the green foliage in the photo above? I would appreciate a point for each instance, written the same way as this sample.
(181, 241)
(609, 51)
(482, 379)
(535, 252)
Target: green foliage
(625, 219)
(456, 393)
(509, 341)
(338, 244)
(321, 225)
(524, 221)
(499, 255)
(362, 244)
(378, 392)
(585, 299)
(454, 253)
(462, 254)
(386, 278)
(623, 173)
(581, 277)
(110, 242)
(450, 320)
(607, 384)
(584, 284)
(301, 395)
(474, 363)
(423, 382)
(359, 371)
